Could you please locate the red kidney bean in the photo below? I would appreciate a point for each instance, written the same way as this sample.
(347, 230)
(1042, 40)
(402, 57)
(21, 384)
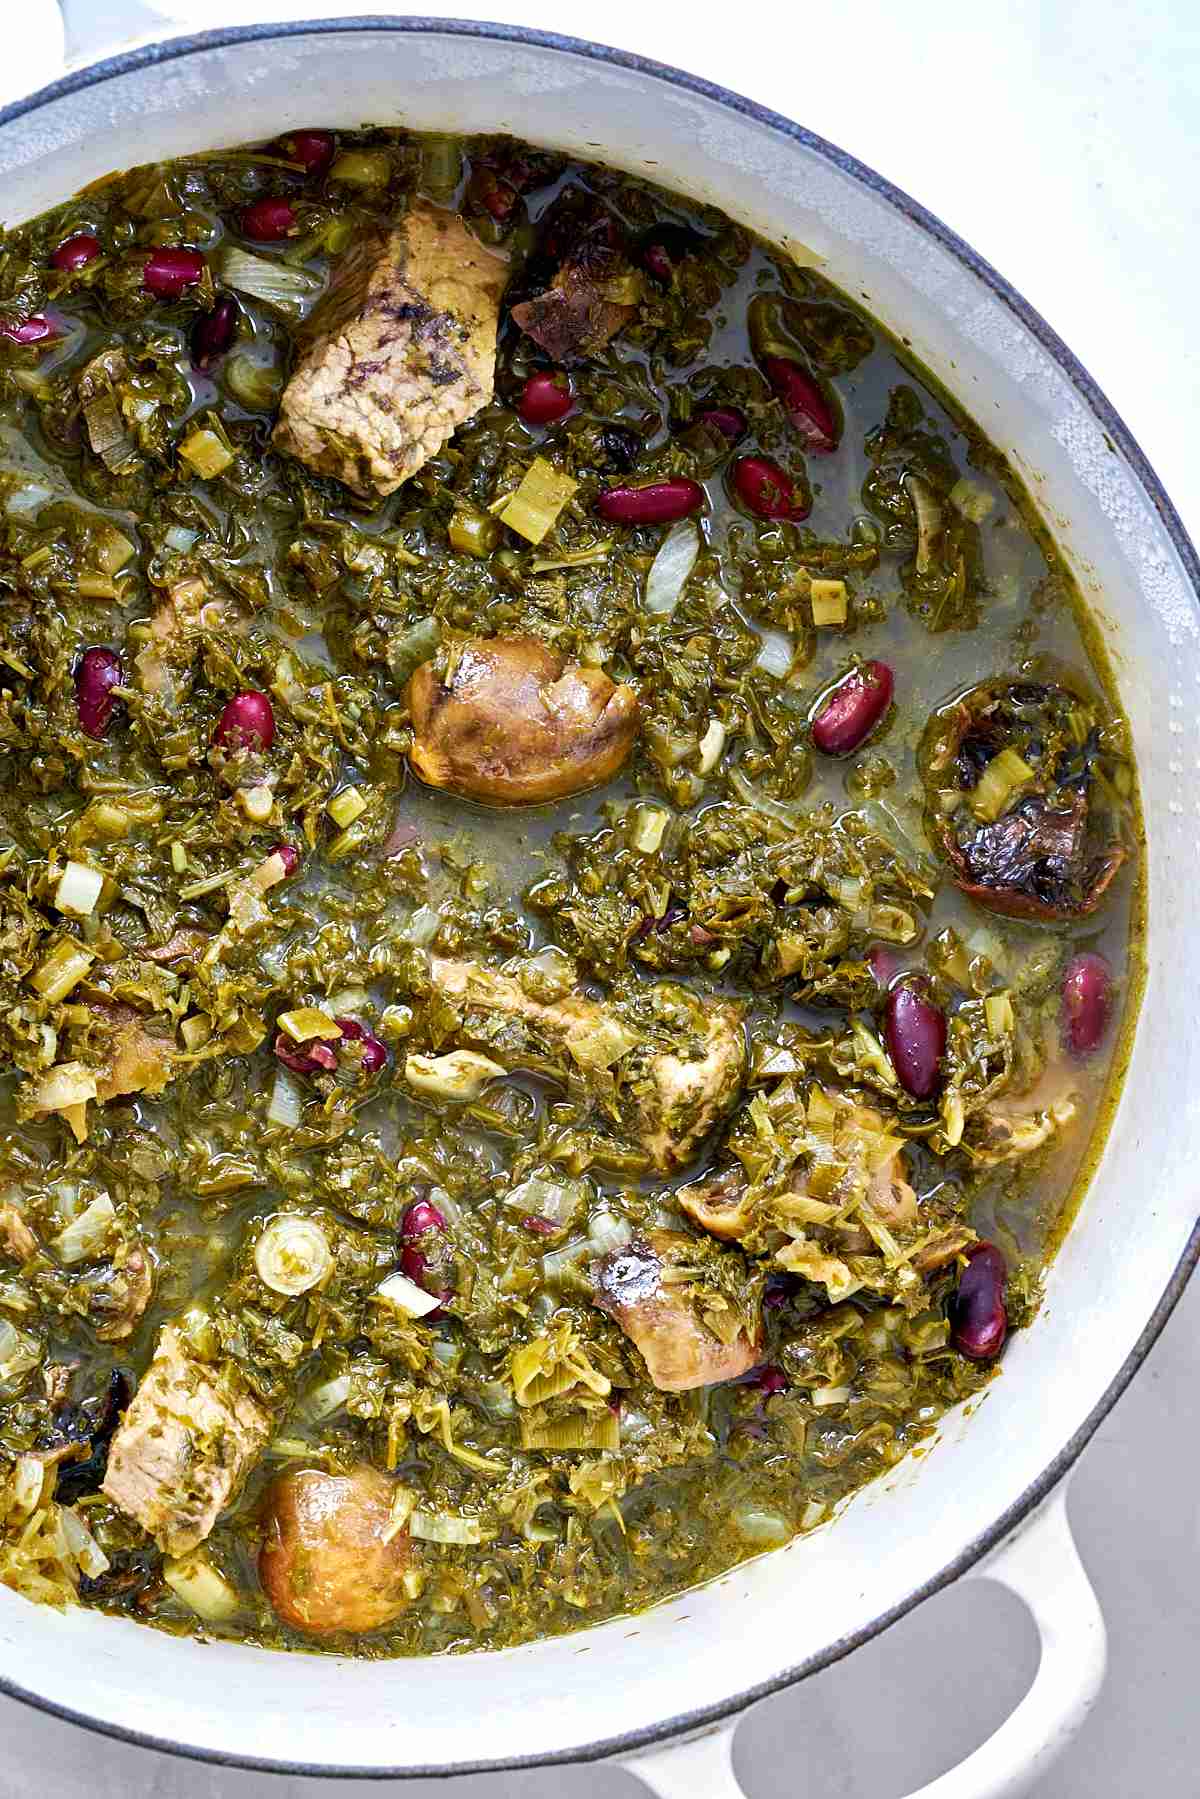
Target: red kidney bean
(540, 1227)
(314, 1057)
(420, 1217)
(374, 1050)
(664, 247)
(978, 1315)
(915, 1033)
(423, 1221)
(312, 148)
(1086, 1003)
(28, 331)
(546, 397)
(883, 962)
(289, 855)
(269, 219)
(170, 271)
(657, 503)
(99, 671)
(214, 331)
(246, 723)
(768, 490)
(848, 715)
(769, 1380)
(807, 407)
(76, 252)
(729, 421)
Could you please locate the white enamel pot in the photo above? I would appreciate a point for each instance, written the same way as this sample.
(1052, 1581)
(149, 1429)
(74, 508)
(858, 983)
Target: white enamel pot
(662, 1691)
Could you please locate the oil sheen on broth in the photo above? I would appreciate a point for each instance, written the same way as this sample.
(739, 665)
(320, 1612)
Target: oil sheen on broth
(569, 889)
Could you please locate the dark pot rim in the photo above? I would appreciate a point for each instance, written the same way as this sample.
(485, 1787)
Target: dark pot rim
(658, 1735)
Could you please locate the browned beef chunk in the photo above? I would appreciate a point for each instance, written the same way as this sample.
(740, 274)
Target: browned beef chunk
(586, 288)
(400, 352)
(660, 1316)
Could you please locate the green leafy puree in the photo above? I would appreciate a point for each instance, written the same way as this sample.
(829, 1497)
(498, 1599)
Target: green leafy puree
(147, 1124)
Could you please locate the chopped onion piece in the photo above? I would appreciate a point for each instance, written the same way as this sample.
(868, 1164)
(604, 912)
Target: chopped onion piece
(607, 1231)
(287, 1101)
(82, 1544)
(998, 1009)
(324, 1400)
(443, 1527)
(180, 538)
(61, 970)
(422, 927)
(712, 746)
(193, 1579)
(974, 503)
(461, 1075)
(346, 806)
(756, 1524)
(541, 1197)
(307, 1022)
(88, 1234)
(78, 889)
(405, 1295)
(1004, 777)
(647, 827)
(293, 1254)
(19, 1352)
(777, 653)
(825, 1396)
(676, 558)
(290, 290)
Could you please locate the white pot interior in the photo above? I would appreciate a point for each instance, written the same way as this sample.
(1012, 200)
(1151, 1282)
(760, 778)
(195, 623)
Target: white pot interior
(628, 1677)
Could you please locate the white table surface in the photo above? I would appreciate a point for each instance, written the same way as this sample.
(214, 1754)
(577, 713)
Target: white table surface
(1061, 140)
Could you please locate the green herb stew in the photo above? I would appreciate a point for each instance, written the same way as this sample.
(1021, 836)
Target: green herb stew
(569, 882)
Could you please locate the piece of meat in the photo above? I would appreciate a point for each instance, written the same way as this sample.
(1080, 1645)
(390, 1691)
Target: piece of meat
(138, 1060)
(683, 1095)
(187, 942)
(118, 1295)
(333, 1557)
(513, 723)
(1016, 1124)
(587, 298)
(718, 1204)
(398, 354)
(16, 1238)
(890, 1197)
(162, 665)
(675, 1096)
(184, 1447)
(659, 1316)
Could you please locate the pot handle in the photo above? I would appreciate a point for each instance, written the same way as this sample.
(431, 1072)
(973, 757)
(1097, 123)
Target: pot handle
(1041, 1565)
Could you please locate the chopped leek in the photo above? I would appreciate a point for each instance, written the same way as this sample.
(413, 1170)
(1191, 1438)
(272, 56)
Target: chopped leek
(1001, 781)
(287, 289)
(293, 1254)
(676, 558)
(579, 1430)
(533, 509)
(78, 889)
(828, 602)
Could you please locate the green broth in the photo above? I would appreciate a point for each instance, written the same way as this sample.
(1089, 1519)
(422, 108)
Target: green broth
(315, 593)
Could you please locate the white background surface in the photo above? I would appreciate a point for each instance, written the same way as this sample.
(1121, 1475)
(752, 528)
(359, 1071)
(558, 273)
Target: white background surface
(1062, 140)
